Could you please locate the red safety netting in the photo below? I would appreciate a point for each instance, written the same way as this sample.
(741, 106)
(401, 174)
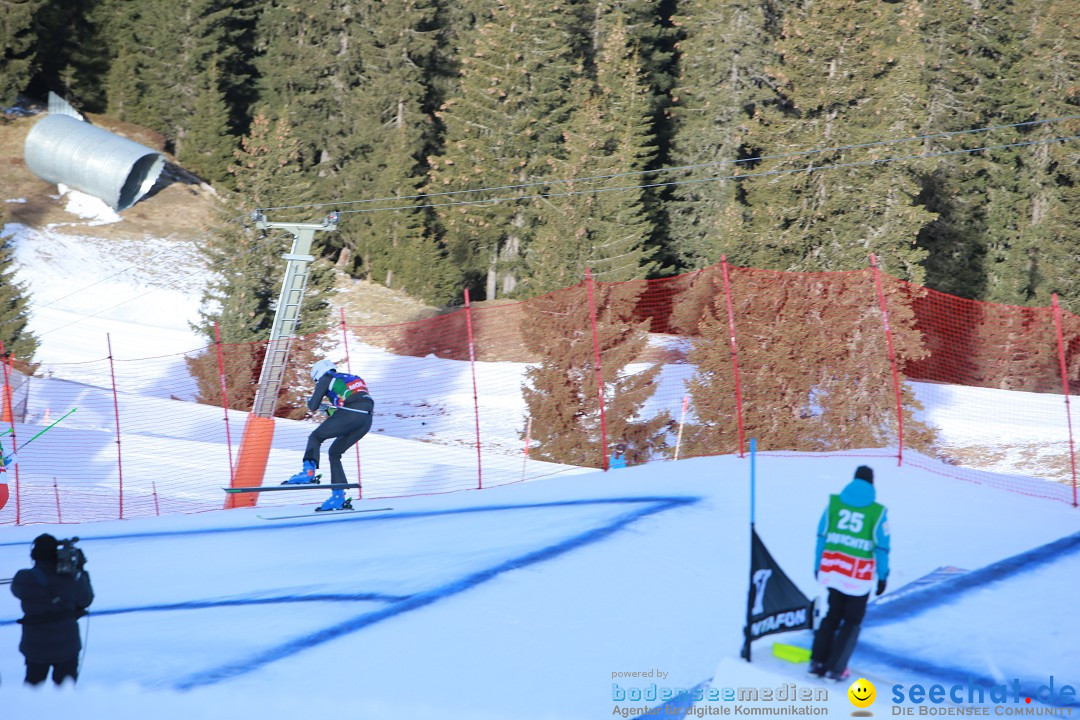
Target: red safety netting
(854, 363)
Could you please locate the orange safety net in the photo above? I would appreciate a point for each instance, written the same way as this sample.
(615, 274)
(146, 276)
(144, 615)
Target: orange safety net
(853, 363)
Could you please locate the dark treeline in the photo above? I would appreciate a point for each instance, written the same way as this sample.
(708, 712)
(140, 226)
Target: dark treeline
(785, 118)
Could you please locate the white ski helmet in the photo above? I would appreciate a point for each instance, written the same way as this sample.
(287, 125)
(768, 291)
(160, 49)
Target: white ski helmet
(321, 368)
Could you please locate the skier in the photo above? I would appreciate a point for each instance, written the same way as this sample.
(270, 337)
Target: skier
(349, 414)
(52, 604)
(852, 546)
(6, 460)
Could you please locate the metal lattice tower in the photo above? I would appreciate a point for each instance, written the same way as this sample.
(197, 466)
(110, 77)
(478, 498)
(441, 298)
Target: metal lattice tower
(287, 314)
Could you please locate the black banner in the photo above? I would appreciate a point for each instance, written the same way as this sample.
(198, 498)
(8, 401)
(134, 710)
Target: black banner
(774, 603)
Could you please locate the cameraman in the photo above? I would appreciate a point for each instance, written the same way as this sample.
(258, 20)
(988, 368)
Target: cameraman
(52, 603)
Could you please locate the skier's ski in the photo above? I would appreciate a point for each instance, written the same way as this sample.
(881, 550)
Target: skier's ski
(301, 486)
(326, 513)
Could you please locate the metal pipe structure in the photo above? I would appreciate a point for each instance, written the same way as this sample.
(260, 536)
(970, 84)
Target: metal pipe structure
(62, 149)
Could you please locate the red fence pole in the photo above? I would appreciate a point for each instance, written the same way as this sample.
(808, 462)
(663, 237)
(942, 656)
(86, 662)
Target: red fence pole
(734, 354)
(599, 370)
(1065, 389)
(116, 412)
(5, 361)
(7, 413)
(475, 397)
(224, 397)
(892, 360)
(56, 495)
(348, 369)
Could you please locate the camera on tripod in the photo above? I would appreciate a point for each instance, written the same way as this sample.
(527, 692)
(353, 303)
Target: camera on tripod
(69, 559)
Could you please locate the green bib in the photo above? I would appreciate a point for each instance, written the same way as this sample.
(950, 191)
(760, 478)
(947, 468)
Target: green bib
(847, 562)
(851, 529)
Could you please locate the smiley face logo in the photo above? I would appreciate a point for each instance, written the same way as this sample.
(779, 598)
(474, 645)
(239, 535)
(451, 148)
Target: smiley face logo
(862, 693)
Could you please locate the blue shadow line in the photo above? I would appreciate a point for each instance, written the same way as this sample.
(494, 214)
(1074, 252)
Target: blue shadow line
(315, 521)
(950, 591)
(419, 600)
(243, 602)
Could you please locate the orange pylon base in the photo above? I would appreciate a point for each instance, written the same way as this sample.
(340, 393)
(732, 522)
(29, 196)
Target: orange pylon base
(251, 466)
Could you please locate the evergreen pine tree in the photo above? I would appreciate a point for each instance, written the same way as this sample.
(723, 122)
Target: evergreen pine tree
(725, 48)
(396, 246)
(599, 226)
(392, 135)
(151, 52)
(652, 35)
(1039, 252)
(309, 65)
(503, 128)
(1003, 231)
(17, 47)
(248, 270)
(248, 267)
(123, 84)
(561, 391)
(14, 314)
(849, 74)
(968, 50)
(456, 22)
(159, 75)
(812, 358)
(208, 149)
(623, 219)
(649, 29)
(71, 58)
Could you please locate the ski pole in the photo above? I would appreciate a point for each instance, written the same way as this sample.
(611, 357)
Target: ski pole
(326, 407)
(42, 431)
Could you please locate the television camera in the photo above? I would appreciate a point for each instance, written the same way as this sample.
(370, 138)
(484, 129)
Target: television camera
(69, 558)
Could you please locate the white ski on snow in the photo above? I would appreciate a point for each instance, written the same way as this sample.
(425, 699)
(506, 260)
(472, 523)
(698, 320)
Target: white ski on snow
(324, 513)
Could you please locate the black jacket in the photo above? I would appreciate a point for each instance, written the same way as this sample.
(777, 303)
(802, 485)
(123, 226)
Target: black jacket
(52, 605)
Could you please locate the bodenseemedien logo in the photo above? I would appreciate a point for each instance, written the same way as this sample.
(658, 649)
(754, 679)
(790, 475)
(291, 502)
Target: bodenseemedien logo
(862, 694)
(788, 700)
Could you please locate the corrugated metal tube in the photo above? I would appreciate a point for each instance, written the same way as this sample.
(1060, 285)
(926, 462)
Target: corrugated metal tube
(61, 149)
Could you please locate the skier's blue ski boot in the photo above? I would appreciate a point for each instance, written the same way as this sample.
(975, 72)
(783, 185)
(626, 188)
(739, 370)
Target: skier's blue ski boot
(336, 501)
(306, 476)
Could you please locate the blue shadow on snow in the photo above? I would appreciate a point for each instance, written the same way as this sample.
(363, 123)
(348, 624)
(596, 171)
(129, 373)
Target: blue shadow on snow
(653, 505)
(397, 605)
